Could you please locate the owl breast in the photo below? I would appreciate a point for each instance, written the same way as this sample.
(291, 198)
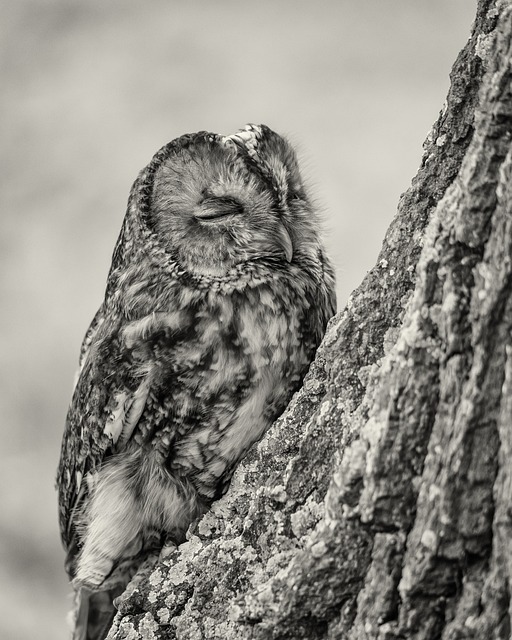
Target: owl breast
(218, 385)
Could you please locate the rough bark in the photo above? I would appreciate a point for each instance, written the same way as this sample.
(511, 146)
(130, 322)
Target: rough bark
(377, 507)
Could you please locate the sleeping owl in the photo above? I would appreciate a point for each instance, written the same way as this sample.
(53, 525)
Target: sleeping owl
(217, 298)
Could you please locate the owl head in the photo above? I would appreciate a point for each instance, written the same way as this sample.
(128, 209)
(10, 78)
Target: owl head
(216, 201)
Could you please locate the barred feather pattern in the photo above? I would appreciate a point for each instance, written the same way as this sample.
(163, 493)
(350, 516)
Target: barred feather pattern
(218, 296)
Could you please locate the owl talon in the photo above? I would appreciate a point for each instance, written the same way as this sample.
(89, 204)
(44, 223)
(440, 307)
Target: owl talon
(144, 570)
(192, 528)
(167, 550)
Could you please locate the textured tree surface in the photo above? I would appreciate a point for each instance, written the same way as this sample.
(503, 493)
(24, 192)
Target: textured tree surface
(378, 506)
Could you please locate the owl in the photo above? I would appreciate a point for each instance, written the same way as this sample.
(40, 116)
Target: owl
(217, 298)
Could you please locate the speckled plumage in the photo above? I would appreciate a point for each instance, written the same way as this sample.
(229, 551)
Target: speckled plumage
(217, 298)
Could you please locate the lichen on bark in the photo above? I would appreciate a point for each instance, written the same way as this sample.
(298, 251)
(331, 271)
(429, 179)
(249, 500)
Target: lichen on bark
(377, 506)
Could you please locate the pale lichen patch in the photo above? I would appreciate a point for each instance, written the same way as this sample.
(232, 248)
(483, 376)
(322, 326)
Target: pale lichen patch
(318, 549)
(156, 578)
(148, 626)
(278, 493)
(484, 45)
(304, 520)
(163, 615)
(429, 540)
(440, 141)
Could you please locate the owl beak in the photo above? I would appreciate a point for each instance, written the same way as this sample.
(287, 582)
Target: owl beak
(286, 242)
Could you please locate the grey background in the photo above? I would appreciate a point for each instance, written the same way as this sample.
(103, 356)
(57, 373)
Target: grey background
(89, 91)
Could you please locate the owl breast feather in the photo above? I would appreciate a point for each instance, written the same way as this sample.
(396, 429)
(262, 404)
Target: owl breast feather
(220, 381)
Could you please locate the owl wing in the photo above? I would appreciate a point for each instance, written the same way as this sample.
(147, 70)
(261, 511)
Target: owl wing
(114, 381)
(329, 286)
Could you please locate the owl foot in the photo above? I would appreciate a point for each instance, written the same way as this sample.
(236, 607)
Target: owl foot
(122, 602)
(167, 550)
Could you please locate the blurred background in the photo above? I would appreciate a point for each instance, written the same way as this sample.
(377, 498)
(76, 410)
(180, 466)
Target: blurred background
(89, 91)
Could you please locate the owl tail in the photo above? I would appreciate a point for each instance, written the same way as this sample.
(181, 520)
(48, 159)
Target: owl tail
(93, 614)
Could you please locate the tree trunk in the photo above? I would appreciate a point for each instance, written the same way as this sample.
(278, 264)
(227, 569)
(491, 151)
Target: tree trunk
(378, 505)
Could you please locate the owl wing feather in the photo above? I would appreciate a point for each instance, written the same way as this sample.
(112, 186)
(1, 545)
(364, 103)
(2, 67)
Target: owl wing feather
(111, 393)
